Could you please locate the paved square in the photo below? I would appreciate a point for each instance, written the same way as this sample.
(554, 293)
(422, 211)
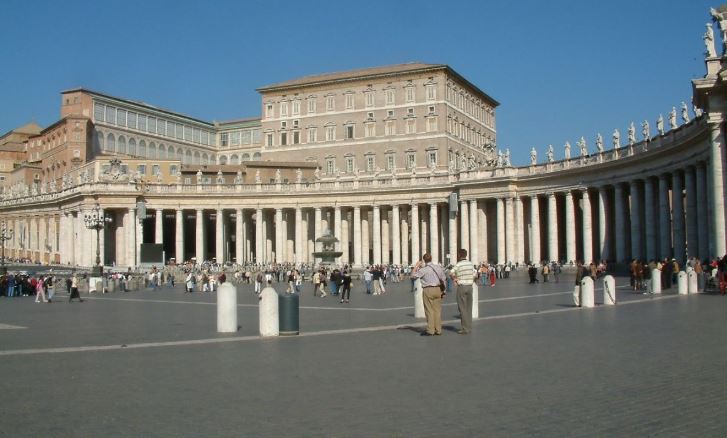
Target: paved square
(150, 363)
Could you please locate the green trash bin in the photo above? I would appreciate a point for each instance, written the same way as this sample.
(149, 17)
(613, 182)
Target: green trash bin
(288, 314)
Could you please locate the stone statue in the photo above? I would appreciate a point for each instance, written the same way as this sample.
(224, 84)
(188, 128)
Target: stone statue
(567, 150)
(616, 139)
(533, 157)
(199, 177)
(583, 147)
(645, 130)
(673, 118)
(258, 180)
(709, 42)
(599, 143)
(685, 113)
(298, 175)
(238, 177)
(500, 160)
(506, 158)
(549, 154)
(278, 178)
(220, 178)
(660, 125)
(317, 173)
(697, 111)
(632, 134)
(721, 19)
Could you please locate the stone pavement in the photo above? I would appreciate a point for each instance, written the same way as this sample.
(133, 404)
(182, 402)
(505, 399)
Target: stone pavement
(150, 363)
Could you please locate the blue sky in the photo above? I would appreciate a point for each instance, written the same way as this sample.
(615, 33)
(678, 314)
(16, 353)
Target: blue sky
(560, 69)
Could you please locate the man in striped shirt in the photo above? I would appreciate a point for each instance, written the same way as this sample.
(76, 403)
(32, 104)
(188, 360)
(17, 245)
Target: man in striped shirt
(463, 274)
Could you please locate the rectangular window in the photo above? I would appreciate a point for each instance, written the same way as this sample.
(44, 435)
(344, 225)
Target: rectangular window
(410, 94)
(205, 137)
(369, 98)
(152, 125)
(431, 124)
(410, 160)
(121, 117)
(349, 132)
(349, 164)
(195, 135)
(389, 97)
(142, 122)
(245, 137)
(311, 105)
(330, 103)
(370, 163)
(411, 126)
(296, 107)
(370, 130)
(330, 133)
(283, 138)
(431, 109)
(268, 110)
(98, 112)
(188, 133)
(256, 133)
(173, 170)
(296, 137)
(178, 131)
(431, 92)
(410, 111)
(349, 101)
(156, 170)
(131, 120)
(269, 139)
(110, 114)
(432, 158)
(235, 138)
(389, 162)
(141, 169)
(330, 166)
(312, 135)
(161, 127)
(283, 109)
(188, 180)
(390, 127)
(283, 124)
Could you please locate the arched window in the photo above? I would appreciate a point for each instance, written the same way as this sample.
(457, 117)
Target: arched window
(162, 152)
(99, 141)
(223, 159)
(142, 149)
(152, 151)
(111, 143)
(180, 154)
(205, 159)
(121, 145)
(170, 152)
(234, 159)
(132, 147)
(245, 157)
(256, 156)
(188, 157)
(196, 158)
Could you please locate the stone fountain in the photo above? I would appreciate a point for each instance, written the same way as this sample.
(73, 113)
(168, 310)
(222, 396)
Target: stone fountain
(327, 252)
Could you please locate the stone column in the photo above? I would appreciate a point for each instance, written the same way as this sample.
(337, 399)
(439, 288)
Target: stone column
(474, 250)
(535, 256)
(239, 239)
(482, 222)
(650, 219)
(509, 231)
(404, 235)
(620, 225)
(717, 247)
(604, 245)
(377, 234)
(220, 236)
(357, 236)
(395, 235)
(415, 252)
(433, 232)
(365, 238)
(519, 229)
(501, 231)
(702, 219)
(552, 228)
(179, 235)
(337, 229)
(664, 218)
(464, 229)
(636, 242)
(131, 238)
(587, 229)
(199, 249)
(385, 236)
(692, 247)
(278, 235)
(678, 206)
(299, 237)
(159, 226)
(452, 240)
(424, 231)
(259, 244)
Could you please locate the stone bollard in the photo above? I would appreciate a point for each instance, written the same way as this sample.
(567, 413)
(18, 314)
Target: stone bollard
(655, 281)
(609, 290)
(692, 282)
(682, 283)
(587, 298)
(226, 308)
(268, 312)
(95, 284)
(111, 285)
(577, 295)
(418, 299)
(475, 301)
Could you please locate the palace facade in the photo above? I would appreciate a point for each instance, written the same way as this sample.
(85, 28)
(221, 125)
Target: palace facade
(395, 161)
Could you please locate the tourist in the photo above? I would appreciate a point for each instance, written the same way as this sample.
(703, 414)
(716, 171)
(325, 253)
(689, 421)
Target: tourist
(40, 291)
(556, 271)
(463, 276)
(345, 287)
(49, 288)
(532, 273)
(545, 272)
(189, 282)
(493, 277)
(432, 279)
(74, 289)
(368, 278)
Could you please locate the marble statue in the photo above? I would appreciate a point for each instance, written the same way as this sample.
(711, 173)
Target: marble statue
(220, 178)
(685, 113)
(258, 180)
(632, 134)
(697, 111)
(599, 143)
(500, 160)
(645, 130)
(709, 42)
(298, 175)
(506, 158)
(238, 177)
(673, 118)
(721, 19)
(567, 150)
(199, 177)
(549, 154)
(660, 125)
(533, 157)
(583, 147)
(278, 178)
(616, 139)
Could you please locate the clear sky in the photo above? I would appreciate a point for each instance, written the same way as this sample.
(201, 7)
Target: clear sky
(560, 69)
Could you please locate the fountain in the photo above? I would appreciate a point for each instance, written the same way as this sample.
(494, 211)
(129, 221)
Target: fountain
(327, 252)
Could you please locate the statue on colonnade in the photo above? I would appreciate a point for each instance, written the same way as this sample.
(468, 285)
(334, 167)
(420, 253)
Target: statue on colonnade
(599, 143)
(533, 157)
(721, 19)
(660, 124)
(616, 139)
(549, 154)
(673, 118)
(709, 42)
(566, 150)
(685, 113)
(632, 134)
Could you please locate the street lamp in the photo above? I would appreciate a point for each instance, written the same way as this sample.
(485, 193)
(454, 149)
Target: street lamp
(96, 220)
(5, 234)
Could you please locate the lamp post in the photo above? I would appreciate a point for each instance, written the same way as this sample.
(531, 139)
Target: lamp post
(96, 220)
(5, 234)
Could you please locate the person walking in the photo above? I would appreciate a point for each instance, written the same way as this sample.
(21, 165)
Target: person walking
(74, 289)
(40, 291)
(189, 283)
(50, 289)
(463, 275)
(345, 287)
(431, 275)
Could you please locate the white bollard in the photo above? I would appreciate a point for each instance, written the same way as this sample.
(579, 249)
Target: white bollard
(418, 299)
(689, 269)
(475, 299)
(268, 312)
(95, 284)
(692, 282)
(587, 298)
(655, 281)
(577, 295)
(682, 286)
(226, 308)
(609, 290)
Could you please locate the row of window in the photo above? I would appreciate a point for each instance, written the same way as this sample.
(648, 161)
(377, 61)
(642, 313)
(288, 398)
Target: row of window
(370, 162)
(468, 134)
(238, 138)
(153, 125)
(349, 131)
(470, 104)
(366, 98)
